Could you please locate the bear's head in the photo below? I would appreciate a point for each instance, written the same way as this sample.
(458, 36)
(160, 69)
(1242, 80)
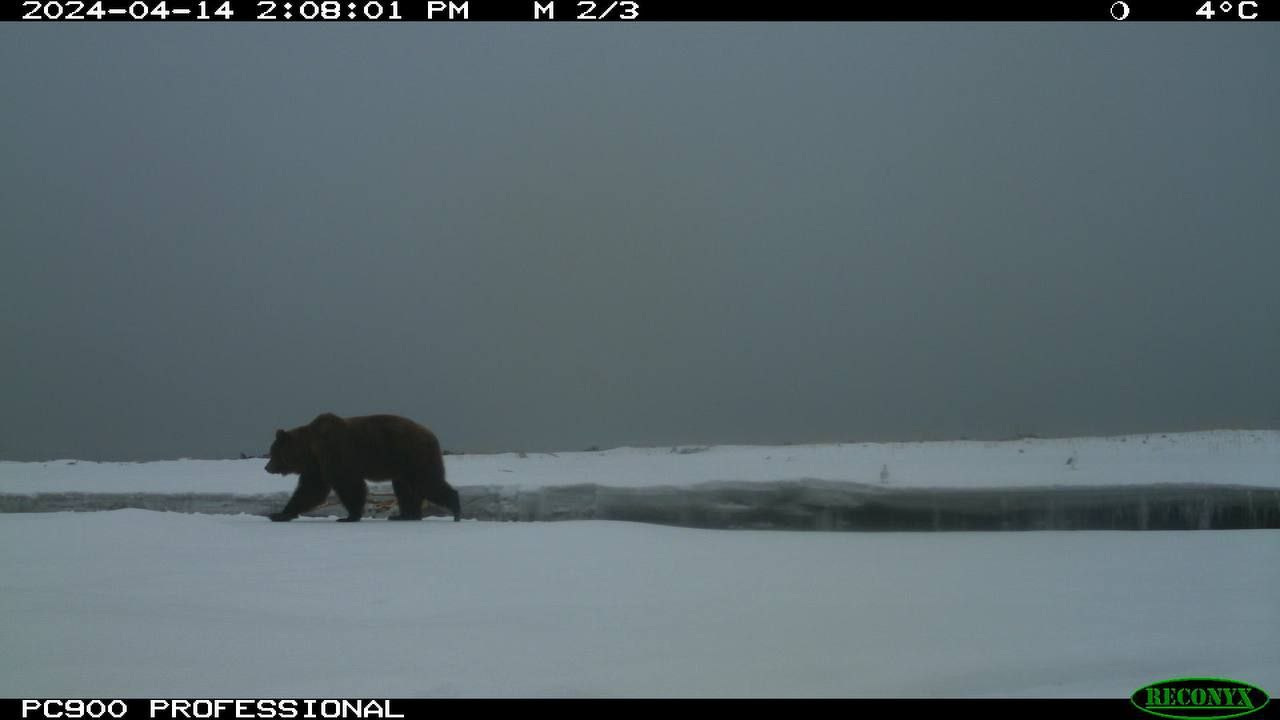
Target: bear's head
(289, 454)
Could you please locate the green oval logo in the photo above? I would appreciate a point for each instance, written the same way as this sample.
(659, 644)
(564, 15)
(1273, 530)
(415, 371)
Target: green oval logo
(1199, 698)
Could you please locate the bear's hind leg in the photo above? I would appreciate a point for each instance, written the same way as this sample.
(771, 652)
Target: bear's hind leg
(447, 497)
(409, 497)
(352, 491)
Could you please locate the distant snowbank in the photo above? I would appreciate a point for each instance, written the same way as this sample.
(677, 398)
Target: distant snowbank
(1227, 457)
(1209, 480)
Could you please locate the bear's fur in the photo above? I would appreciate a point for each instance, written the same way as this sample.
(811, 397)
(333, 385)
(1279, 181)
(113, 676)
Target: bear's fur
(339, 454)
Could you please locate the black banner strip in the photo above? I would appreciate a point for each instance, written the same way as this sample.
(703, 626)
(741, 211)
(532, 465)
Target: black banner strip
(420, 709)
(621, 11)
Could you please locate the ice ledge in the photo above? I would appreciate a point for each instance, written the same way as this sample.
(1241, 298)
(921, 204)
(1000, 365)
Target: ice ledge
(804, 504)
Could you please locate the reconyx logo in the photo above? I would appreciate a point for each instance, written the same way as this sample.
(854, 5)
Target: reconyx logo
(1199, 698)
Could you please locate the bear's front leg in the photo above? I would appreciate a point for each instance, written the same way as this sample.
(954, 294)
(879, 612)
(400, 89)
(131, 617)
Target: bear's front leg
(311, 491)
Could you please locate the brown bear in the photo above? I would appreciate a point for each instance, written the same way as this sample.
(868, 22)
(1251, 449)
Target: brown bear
(341, 453)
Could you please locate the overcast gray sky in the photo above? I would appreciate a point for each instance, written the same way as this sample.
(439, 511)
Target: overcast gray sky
(537, 237)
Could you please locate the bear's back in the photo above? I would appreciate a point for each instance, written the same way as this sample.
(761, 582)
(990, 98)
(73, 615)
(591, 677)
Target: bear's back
(385, 445)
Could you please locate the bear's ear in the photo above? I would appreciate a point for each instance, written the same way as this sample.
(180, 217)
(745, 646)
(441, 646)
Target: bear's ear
(279, 434)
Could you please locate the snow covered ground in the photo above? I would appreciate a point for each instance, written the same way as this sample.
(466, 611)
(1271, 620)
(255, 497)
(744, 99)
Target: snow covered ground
(140, 603)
